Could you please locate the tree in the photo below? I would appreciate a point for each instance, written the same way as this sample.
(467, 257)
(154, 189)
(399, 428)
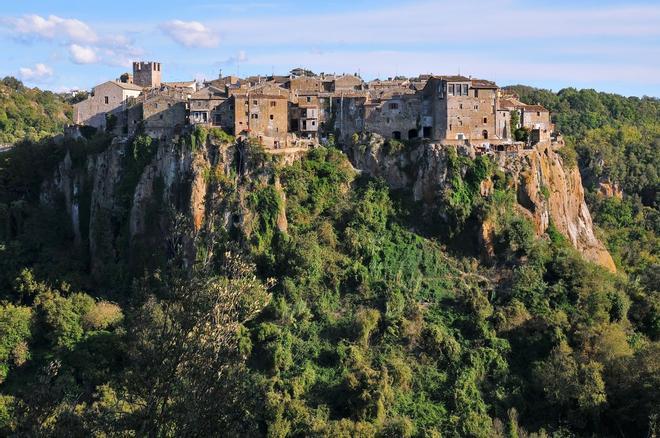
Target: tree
(188, 355)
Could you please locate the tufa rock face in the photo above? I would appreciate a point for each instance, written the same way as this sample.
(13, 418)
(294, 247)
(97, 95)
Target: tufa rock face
(546, 191)
(176, 177)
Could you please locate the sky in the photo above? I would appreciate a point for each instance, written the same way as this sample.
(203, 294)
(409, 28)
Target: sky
(607, 45)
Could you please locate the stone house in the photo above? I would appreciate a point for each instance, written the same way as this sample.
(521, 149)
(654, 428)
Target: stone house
(163, 115)
(458, 108)
(537, 119)
(395, 114)
(534, 118)
(108, 98)
(262, 113)
(347, 83)
(213, 107)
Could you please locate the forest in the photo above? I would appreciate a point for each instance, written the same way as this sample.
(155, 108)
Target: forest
(362, 319)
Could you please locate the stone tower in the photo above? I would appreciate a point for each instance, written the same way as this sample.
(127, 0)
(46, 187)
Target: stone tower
(147, 74)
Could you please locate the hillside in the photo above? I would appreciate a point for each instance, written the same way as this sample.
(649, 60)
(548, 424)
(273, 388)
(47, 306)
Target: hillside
(203, 287)
(30, 113)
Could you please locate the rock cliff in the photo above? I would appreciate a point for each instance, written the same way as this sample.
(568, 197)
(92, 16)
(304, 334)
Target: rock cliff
(118, 206)
(547, 191)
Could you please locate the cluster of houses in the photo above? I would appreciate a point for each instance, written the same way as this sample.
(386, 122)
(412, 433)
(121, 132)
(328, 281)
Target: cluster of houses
(303, 108)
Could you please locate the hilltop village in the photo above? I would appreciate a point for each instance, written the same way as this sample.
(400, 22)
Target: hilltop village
(302, 109)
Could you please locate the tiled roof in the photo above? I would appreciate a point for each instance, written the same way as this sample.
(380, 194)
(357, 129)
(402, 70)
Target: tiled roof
(127, 86)
(482, 83)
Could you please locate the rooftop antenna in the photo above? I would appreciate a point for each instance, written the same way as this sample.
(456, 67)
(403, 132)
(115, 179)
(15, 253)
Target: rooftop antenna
(220, 77)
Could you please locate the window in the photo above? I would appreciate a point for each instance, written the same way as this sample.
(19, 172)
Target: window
(450, 89)
(476, 107)
(254, 102)
(272, 117)
(485, 119)
(255, 116)
(394, 106)
(247, 102)
(450, 126)
(107, 100)
(313, 122)
(460, 106)
(538, 113)
(273, 103)
(160, 117)
(156, 105)
(247, 113)
(465, 90)
(476, 93)
(309, 99)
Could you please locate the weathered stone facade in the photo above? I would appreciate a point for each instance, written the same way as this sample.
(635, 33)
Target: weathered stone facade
(147, 74)
(283, 111)
(107, 99)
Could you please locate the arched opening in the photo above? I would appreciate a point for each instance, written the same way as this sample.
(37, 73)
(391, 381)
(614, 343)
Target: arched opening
(485, 134)
(412, 134)
(396, 135)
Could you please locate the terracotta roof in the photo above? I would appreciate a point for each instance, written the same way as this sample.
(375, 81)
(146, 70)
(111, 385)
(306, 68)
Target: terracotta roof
(507, 104)
(450, 78)
(534, 108)
(180, 84)
(127, 86)
(209, 93)
(482, 83)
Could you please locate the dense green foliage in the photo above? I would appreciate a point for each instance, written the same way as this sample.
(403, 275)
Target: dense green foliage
(29, 113)
(316, 302)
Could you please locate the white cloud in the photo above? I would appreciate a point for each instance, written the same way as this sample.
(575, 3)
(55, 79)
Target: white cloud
(83, 54)
(433, 22)
(37, 73)
(85, 45)
(53, 27)
(190, 33)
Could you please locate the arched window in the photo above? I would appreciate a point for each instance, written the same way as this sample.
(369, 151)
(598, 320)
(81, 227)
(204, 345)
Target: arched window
(485, 134)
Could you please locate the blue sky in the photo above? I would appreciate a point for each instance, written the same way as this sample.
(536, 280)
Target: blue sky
(68, 44)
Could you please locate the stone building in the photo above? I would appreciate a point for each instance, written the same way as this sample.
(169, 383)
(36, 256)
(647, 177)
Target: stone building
(163, 115)
(458, 108)
(107, 99)
(395, 114)
(213, 107)
(537, 120)
(147, 74)
(262, 113)
(347, 83)
(534, 118)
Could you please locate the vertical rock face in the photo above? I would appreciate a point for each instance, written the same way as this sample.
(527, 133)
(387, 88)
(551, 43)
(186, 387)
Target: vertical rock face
(126, 210)
(546, 191)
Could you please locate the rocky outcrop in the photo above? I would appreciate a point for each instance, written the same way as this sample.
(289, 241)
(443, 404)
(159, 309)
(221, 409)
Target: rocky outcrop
(121, 208)
(547, 192)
